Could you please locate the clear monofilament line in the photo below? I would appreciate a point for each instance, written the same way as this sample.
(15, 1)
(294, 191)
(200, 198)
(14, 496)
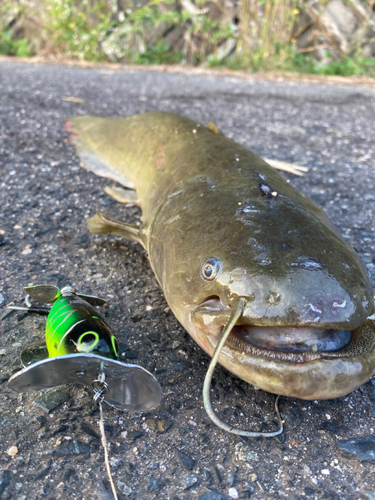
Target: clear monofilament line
(236, 314)
(104, 443)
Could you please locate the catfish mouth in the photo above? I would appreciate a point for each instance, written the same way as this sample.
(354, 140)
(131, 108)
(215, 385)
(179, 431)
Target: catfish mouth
(296, 344)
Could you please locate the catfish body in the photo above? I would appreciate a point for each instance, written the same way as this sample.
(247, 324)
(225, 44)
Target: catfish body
(220, 224)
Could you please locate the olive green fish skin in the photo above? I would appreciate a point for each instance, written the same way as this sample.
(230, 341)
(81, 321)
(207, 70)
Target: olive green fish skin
(204, 196)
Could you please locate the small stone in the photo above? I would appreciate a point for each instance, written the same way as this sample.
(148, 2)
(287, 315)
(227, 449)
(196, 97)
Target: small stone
(153, 466)
(362, 449)
(62, 429)
(247, 493)
(325, 472)
(107, 201)
(372, 395)
(208, 476)
(172, 357)
(2, 300)
(151, 423)
(69, 475)
(212, 495)
(154, 336)
(40, 420)
(12, 451)
(244, 453)
(137, 316)
(185, 460)
(219, 479)
(101, 492)
(3, 352)
(43, 473)
(329, 426)
(163, 425)
(174, 378)
(134, 435)
(179, 367)
(154, 484)
(4, 481)
(309, 491)
(51, 400)
(280, 438)
(131, 354)
(87, 429)
(124, 488)
(72, 448)
(231, 479)
(189, 481)
(233, 493)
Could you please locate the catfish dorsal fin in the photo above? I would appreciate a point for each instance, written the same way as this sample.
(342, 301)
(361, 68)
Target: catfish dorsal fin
(214, 128)
(103, 224)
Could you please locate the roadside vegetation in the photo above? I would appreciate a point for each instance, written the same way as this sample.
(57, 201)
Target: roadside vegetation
(330, 37)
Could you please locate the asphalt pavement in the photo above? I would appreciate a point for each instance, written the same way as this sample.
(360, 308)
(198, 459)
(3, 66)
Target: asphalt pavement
(50, 444)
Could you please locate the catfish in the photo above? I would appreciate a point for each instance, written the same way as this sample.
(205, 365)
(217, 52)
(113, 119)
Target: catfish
(221, 228)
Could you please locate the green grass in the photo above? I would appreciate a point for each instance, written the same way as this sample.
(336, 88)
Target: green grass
(12, 47)
(92, 30)
(348, 66)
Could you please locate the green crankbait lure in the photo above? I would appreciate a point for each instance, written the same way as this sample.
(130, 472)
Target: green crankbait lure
(73, 325)
(80, 347)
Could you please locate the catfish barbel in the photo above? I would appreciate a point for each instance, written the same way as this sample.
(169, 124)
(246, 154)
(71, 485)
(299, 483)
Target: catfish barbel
(223, 228)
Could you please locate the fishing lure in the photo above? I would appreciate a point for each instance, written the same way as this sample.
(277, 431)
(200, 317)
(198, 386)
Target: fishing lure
(80, 347)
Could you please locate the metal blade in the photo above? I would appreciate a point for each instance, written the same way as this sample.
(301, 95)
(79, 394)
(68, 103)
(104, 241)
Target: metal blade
(130, 387)
(45, 294)
(37, 351)
(94, 301)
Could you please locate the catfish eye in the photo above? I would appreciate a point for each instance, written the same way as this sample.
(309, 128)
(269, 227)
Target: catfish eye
(211, 269)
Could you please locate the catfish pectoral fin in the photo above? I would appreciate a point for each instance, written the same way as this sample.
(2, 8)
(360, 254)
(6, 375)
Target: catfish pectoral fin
(103, 224)
(123, 195)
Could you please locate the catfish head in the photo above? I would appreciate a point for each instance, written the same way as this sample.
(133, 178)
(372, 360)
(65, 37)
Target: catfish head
(304, 330)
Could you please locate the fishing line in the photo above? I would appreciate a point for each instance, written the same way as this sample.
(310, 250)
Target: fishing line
(98, 398)
(236, 314)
